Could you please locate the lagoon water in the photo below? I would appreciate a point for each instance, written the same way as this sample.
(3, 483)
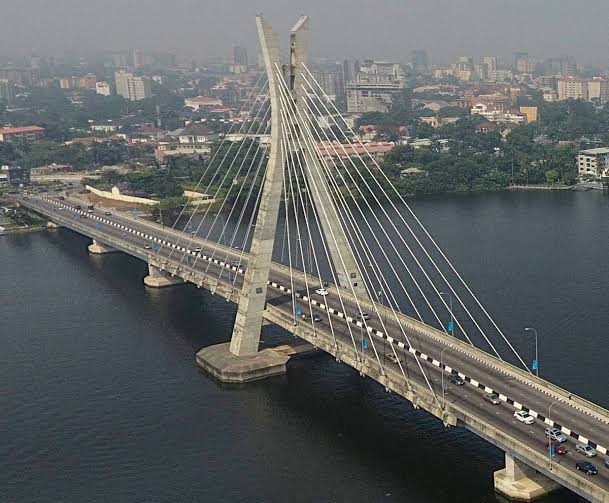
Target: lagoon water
(101, 400)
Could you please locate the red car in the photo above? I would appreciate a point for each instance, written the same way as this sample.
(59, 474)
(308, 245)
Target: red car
(559, 448)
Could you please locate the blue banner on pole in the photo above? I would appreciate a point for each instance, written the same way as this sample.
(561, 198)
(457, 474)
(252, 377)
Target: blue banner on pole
(450, 327)
(298, 311)
(364, 344)
(535, 364)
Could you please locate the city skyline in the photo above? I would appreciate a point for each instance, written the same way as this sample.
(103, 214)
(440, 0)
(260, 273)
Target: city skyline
(445, 29)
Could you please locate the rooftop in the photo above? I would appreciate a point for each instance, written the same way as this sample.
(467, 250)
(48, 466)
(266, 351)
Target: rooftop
(24, 129)
(595, 151)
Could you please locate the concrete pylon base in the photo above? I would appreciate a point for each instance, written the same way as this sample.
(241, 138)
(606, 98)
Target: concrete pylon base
(519, 482)
(161, 279)
(100, 249)
(53, 225)
(218, 361)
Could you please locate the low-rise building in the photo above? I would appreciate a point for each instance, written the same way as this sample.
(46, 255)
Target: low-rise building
(436, 122)
(26, 133)
(333, 149)
(498, 116)
(104, 128)
(593, 162)
(203, 102)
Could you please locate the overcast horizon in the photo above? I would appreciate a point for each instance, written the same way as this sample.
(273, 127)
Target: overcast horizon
(389, 29)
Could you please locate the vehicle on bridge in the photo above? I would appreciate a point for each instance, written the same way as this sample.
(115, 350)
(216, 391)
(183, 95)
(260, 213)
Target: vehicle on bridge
(586, 450)
(492, 398)
(559, 448)
(456, 379)
(524, 417)
(322, 291)
(317, 318)
(556, 434)
(362, 316)
(586, 467)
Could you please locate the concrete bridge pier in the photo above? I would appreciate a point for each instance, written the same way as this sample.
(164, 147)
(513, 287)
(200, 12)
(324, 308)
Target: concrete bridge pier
(519, 482)
(53, 225)
(98, 248)
(160, 279)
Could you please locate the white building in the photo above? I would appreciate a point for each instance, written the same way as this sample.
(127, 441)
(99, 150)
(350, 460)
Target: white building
(498, 116)
(103, 88)
(593, 162)
(598, 88)
(104, 128)
(131, 87)
(373, 86)
(203, 102)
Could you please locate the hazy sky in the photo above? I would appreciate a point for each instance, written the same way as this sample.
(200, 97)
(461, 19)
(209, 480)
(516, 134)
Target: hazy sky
(353, 28)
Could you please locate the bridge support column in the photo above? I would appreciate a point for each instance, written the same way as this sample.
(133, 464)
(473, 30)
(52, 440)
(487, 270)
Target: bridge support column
(98, 248)
(160, 279)
(519, 482)
(53, 225)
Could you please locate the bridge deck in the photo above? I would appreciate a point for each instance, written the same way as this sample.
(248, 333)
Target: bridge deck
(580, 419)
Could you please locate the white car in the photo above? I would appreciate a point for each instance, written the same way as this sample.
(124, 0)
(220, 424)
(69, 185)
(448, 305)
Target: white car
(524, 417)
(321, 291)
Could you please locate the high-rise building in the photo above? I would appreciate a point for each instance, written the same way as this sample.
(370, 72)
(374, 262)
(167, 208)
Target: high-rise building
(522, 63)
(419, 61)
(136, 59)
(131, 87)
(7, 91)
(489, 69)
(240, 56)
(572, 88)
(598, 89)
(103, 88)
(561, 65)
(464, 68)
(373, 86)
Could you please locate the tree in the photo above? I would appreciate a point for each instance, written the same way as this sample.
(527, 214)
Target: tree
(552, 176)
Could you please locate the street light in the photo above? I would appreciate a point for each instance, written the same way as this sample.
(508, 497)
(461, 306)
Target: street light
(549, 439)
(442, 374)
(536, 363)
(452, 324)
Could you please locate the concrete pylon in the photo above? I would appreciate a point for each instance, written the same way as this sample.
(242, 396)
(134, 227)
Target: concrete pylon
(98, 248)
(518, 481)
(341, 253)
(248, 323)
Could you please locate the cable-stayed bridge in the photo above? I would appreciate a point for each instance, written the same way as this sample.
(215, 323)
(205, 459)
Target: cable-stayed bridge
(310, 234)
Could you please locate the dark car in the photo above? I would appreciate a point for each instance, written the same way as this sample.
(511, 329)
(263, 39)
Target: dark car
(456, 379)
(586, 467)
(607, 462)
(107, 213)
(317, 318)
(559, 448)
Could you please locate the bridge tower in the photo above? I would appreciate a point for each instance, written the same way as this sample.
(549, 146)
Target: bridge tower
(240, 360)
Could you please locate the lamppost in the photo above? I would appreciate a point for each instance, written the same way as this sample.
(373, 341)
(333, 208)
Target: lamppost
(549, 439)
(452, 321)
(536, 362)
(442, 375)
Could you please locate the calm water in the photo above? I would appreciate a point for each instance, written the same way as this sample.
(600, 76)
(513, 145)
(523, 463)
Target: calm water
(100, 398)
